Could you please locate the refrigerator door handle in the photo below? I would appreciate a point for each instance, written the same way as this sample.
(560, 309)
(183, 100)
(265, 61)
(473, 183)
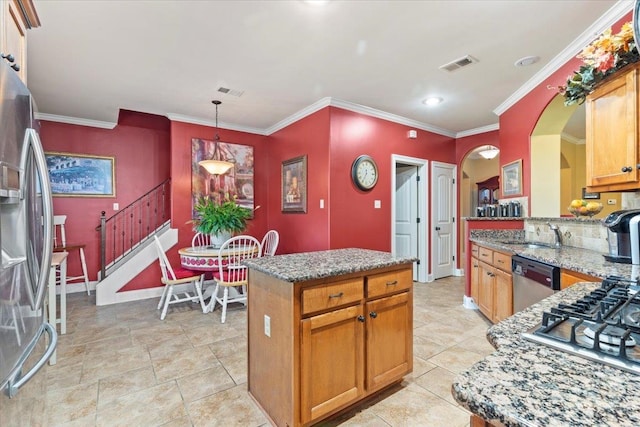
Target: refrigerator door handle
(15, 383)
(47, 213)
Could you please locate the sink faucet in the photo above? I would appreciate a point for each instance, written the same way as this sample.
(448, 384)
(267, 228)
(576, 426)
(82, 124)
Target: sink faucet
(556, 230)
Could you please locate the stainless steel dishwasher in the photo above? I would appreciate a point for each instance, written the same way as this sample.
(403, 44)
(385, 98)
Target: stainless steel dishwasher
(533, 281)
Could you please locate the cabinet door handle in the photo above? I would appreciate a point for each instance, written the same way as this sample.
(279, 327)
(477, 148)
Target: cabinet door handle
(16, 67)
(373, 314)
(395, 282)
(8, 57)
(338, 295)
(361, 318)
(627, 169)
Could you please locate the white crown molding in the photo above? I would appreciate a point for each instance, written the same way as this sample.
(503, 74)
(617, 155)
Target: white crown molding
(572, 139)
(307, 111)
(75, 121)
(476, 131)
(613, 15)
(221, 125)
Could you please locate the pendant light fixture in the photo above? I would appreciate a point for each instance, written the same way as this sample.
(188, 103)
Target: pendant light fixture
(489, 152)
(216, 166)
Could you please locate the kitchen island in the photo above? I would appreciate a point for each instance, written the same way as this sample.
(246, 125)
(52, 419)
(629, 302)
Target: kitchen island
(529, 384)
(327, 329)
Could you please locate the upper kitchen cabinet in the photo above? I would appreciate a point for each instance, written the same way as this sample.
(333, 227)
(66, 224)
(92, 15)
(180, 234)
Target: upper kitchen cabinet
(612, 134)
(17, 16)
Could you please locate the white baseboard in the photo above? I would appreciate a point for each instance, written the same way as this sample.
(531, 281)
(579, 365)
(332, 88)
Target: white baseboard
(458, 272)
(469, 303)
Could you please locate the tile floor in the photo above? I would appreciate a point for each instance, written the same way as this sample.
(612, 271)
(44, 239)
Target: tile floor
(121, 365)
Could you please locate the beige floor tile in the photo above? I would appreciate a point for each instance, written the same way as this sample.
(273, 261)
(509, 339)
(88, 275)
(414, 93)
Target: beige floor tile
(456, 359)
(414, 405)
(153, 406)
(111, 388)
(205, 383)
(135, 369)
(114, 363)
(229, 408)
(182, 363)
(438, 381)
(71, 403)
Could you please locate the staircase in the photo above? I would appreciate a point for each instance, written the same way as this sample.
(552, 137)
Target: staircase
(126, 245)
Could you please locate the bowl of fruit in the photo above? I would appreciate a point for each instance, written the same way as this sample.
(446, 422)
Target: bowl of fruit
(581, 207)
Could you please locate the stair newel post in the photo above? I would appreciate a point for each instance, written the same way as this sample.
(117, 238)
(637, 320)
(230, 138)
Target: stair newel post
(103, 244)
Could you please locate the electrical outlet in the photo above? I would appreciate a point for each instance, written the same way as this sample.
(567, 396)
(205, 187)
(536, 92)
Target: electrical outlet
(376, 204)
(611, 201)
(267, 325)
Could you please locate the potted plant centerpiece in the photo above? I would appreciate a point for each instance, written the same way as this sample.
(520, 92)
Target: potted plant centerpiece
(220, 220)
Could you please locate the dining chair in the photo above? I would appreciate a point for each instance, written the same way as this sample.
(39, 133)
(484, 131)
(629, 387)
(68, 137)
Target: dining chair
(270, 243)
(201, 239)
(60, 245)
(232, 273)
(174, 277)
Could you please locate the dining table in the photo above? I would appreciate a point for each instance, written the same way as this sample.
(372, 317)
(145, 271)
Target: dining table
(205, 259)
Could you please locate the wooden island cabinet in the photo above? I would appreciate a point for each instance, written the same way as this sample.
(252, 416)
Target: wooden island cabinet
(327, 329)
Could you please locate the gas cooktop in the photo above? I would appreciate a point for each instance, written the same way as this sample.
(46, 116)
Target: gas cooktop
(603, 326)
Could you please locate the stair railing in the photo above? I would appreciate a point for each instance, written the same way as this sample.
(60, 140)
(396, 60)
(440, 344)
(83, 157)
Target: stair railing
(128, 228)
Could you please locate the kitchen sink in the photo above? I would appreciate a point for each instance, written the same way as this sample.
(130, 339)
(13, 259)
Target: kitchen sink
(530, 245)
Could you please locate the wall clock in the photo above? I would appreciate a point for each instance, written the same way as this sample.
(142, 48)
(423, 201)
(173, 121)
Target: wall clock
(364, 172)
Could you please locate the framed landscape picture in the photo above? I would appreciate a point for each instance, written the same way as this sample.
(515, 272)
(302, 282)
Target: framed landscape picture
(81, 175)
(294, 185)
(512, 179)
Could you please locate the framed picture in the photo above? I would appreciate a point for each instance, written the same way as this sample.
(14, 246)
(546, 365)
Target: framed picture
(81, 175)
(294, 185)
(236, 183)
(512, 179)
(587, 196)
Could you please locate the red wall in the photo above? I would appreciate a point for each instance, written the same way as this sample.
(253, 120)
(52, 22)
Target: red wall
(180, 152)
(141, 162)
(353, 220)
(300, 232)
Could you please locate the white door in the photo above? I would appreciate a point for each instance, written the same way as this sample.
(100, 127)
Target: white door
(443, 209)
(406, 208)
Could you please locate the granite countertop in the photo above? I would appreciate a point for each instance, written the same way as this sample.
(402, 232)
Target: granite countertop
(528, 384)
(577, 259)
(305, 266)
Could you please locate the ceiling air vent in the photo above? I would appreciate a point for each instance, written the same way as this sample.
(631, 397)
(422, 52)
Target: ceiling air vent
(233, 92)
(458, 63)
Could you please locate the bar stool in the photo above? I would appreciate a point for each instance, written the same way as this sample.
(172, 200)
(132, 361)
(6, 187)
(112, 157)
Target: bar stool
(62, 246)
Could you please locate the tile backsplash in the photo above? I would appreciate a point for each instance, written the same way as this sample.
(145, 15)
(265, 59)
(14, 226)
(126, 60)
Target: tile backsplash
(576, 232)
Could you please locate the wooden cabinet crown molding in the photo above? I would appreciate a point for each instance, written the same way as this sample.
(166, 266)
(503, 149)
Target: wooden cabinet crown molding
(29, 15)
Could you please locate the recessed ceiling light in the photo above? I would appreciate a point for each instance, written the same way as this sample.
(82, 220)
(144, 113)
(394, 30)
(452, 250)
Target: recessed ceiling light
(527, 60)
(431, 101)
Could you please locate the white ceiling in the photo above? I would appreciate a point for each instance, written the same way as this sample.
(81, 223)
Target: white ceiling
(91, 58)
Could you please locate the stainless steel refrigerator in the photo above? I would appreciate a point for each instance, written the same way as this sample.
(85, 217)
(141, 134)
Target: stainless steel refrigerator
(27, 340)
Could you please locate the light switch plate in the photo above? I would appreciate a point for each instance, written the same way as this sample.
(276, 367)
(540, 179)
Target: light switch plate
(116, 206)
(377, 204)
(611, 201)
(321, 203)
(267, 325)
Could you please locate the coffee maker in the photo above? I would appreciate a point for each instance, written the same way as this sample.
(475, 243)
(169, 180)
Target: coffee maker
(623, 234)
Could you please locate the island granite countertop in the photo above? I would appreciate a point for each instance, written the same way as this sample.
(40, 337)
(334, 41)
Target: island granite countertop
(529, 384)
(305, 266)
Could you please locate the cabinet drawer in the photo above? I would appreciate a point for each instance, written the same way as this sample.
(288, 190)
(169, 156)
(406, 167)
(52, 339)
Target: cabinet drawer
(332, 295)
(384, 283)
(502, 261)
(485, 255)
